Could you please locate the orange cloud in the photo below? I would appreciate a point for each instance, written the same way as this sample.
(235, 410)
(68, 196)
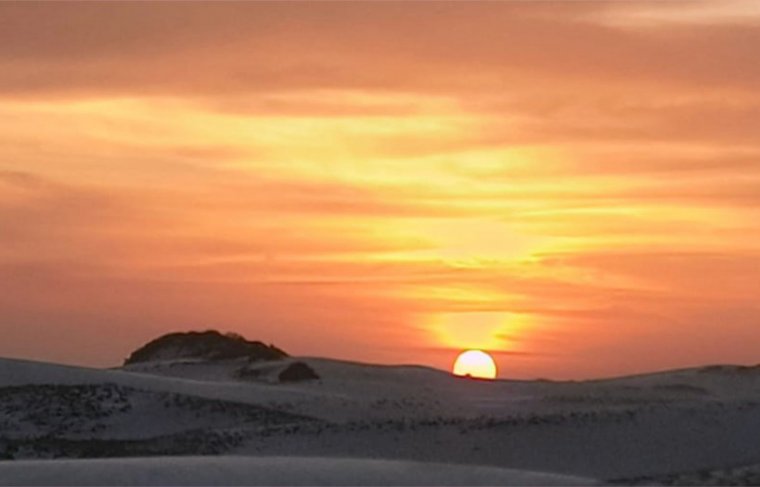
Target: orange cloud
(331, 177)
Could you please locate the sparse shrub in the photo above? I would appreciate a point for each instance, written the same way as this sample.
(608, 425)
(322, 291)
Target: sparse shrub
(296, 372)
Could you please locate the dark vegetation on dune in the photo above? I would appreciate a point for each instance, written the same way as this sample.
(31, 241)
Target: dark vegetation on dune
(210, 345)
(92, 420)
(83, 421)
(294, 372)
(297, 372)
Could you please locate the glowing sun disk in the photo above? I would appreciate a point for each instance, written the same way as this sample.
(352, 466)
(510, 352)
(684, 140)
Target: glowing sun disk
(475, 363)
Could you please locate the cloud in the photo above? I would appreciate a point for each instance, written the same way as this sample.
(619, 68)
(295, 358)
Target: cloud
(261, 48)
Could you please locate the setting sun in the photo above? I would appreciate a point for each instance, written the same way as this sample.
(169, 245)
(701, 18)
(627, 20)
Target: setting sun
(338, 181)
(475, 363)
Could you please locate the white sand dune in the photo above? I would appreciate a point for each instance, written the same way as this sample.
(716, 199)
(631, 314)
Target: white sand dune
(647, 426)
(264, 471)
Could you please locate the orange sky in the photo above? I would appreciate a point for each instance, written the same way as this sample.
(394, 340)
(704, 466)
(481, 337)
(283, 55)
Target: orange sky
(574, 186)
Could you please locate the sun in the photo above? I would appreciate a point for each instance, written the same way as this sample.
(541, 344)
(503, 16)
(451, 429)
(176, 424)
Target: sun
(475, 363)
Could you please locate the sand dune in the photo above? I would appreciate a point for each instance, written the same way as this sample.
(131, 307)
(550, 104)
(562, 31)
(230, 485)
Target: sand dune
(229, 470)
(665, 426)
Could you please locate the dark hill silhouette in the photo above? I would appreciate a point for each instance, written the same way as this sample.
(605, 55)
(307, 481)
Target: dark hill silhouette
(209, 345)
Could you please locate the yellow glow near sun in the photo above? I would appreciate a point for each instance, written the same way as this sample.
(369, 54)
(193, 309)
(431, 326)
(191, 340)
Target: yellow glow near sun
(475, 363)
(478, 329)
(476, 241)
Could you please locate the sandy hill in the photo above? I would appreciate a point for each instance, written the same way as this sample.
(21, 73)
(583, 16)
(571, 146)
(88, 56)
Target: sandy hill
(664, 427)
(230, 470)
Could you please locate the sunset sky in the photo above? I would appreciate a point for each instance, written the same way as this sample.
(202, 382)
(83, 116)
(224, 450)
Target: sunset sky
(574, 187)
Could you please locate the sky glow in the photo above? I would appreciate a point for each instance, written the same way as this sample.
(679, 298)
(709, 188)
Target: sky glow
(574, 187)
